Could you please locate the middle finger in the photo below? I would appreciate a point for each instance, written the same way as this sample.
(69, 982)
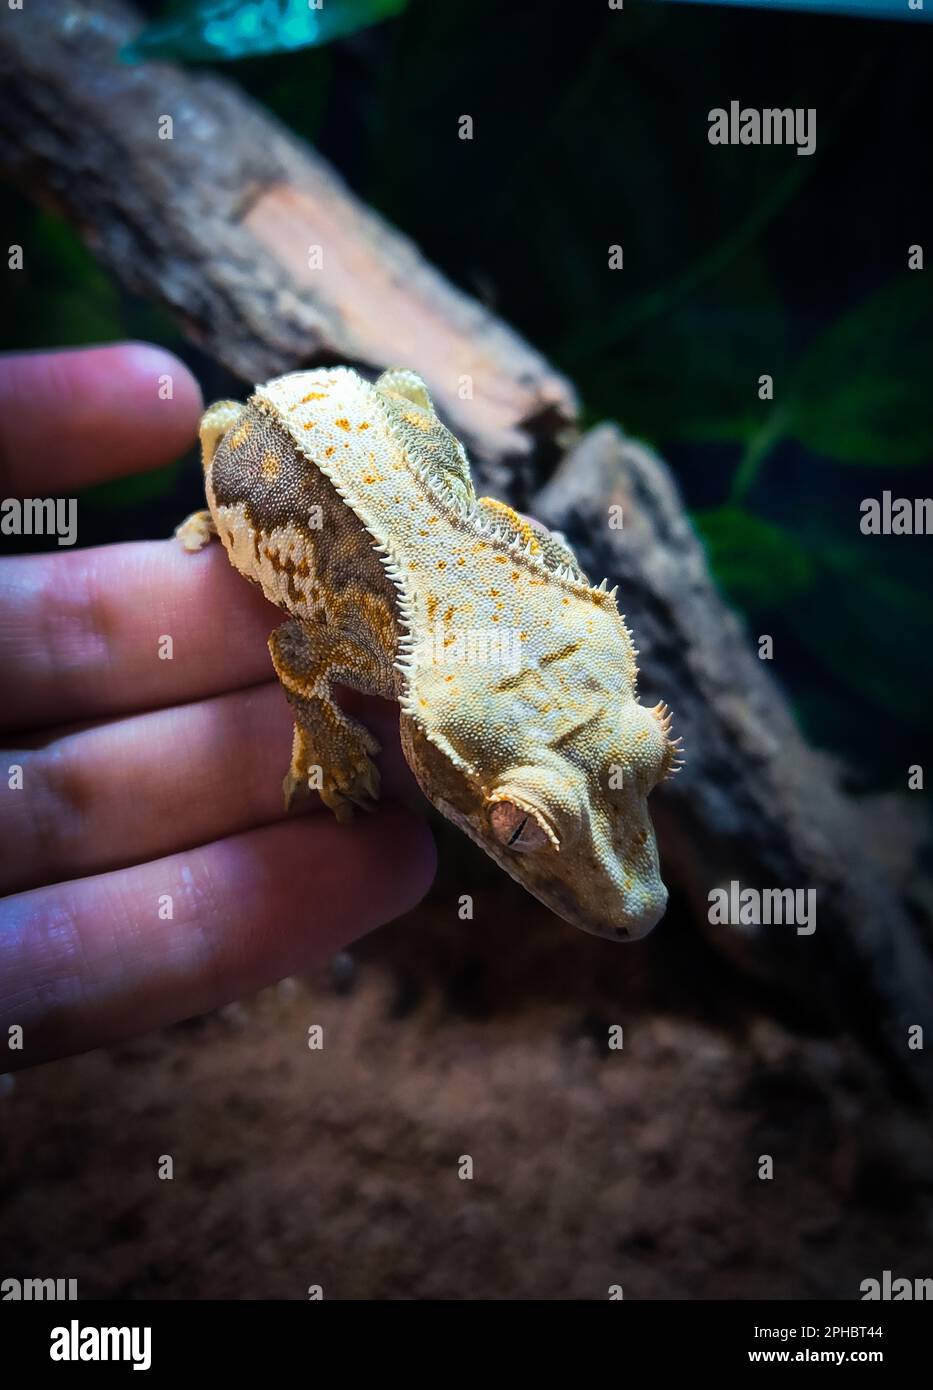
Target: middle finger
(120, 628)
(140, 788)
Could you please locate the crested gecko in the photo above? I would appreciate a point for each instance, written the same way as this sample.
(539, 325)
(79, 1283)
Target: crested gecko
(352, 506)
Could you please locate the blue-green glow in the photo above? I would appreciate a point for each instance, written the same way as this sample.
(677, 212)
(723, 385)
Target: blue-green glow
(859, 9)
(222, 30)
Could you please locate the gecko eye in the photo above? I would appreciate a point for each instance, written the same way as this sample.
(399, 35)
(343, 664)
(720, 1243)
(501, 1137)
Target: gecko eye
(517, 828)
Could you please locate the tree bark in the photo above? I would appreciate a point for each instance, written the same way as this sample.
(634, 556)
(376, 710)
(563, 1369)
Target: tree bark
(753, 802)
(249, 238)
(254, 243)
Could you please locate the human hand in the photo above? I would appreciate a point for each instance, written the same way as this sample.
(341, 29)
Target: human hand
(151, 871)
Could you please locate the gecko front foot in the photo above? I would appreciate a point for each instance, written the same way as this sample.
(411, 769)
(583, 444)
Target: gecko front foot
(196, 530)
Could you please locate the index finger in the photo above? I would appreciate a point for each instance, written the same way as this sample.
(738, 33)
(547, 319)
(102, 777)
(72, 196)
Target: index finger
(76, 417)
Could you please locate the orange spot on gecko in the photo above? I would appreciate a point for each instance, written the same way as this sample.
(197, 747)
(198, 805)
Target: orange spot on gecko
(270, 465)
(312, 396)
(342, 424)
(364, 425)
(329, 450)
(442, 564)
(419, 421)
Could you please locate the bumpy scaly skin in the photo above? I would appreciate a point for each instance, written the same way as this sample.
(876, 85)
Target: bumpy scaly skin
(352, 506)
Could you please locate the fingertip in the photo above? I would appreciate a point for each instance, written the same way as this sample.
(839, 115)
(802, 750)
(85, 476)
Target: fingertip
(408, 854)
(80, 416)
(154, 372)
(364, 874)
(145, 399)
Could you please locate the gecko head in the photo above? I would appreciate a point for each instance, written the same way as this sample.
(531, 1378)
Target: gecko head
(571, 826)
(582, 841)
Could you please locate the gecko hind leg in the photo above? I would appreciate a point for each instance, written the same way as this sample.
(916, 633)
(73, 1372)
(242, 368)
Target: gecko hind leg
(332, 753)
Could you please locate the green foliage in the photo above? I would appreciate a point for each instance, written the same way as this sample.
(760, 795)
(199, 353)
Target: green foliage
(862, 610)
(871, 626)
(864, 390)
(72, 302)
(222, 30)
(135, 489)
(759, 564)
(861, 396)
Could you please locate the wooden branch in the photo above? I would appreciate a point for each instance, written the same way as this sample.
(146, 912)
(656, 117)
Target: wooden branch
(217, 224)
(753, 803)
(224, 222)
